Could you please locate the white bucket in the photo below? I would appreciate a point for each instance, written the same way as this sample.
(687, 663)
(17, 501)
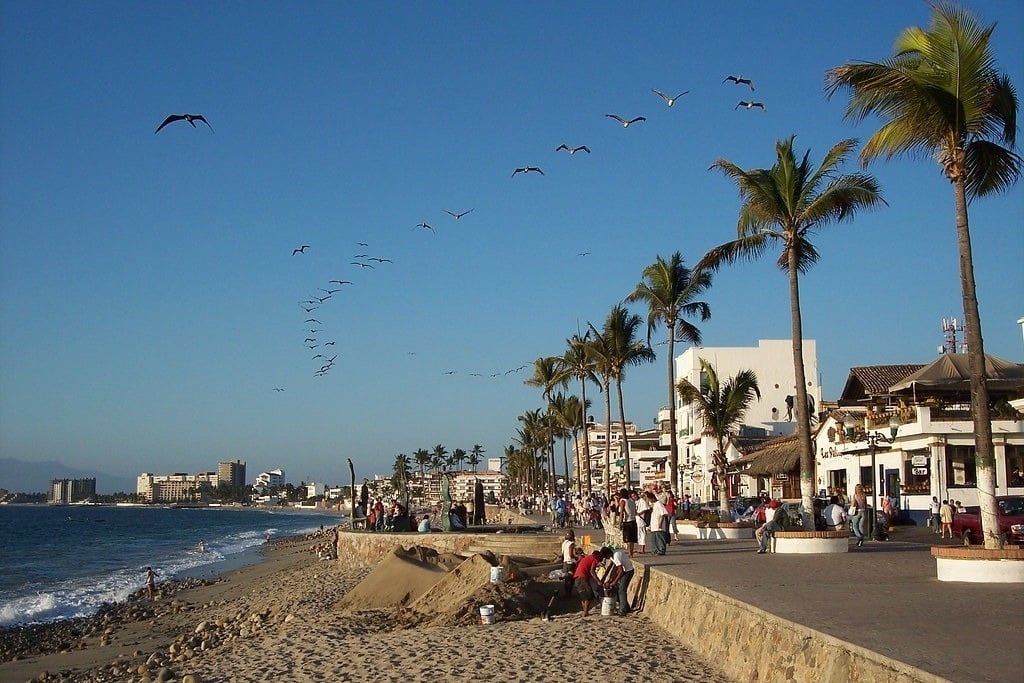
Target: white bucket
(608, 606)
(497, 574)
(487, 614)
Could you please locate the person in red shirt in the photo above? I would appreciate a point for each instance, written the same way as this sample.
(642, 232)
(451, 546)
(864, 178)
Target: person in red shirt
(585, 578)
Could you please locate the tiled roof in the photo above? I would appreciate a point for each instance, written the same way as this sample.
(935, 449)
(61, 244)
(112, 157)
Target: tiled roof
(874, 380)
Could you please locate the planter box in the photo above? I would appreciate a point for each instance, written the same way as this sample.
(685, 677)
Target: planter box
(978, 565)
(714, 531)
(810, 542)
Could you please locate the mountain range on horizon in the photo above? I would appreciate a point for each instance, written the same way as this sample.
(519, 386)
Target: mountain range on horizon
(19, 476)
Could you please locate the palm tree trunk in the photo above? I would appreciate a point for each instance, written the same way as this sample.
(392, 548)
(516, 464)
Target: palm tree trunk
(586, 432)
(622, 422)
(984, 456)
(673, 449)
(608, 438)
(803, 421)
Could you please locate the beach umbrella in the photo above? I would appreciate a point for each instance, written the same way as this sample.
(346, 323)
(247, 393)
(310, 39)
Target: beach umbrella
(479, 516)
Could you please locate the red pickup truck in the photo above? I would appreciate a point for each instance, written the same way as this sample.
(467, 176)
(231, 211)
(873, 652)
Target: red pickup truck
(967, 525)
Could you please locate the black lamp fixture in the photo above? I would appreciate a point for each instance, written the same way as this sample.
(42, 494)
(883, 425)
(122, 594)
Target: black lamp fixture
(872, 439)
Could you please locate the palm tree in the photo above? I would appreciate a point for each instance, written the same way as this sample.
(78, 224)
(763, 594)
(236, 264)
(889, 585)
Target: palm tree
(458, 457)
(577, 363)
(623, 349)
(669, 289)
(545, 375)
(476, 456)
(599, 356)
(568, 412)
(438, 457)
(721, 407)
(400, 478)
(785, 205)
(422, 458)
(941, 95)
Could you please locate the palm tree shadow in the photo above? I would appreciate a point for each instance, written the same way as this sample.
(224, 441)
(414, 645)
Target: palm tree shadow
(640, 598)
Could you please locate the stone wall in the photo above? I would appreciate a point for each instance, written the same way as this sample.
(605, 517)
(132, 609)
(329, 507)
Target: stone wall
(760, 646)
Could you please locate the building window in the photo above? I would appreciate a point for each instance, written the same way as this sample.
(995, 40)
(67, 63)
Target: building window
(866, 479)
(960, 466)
(916, 472)
(1015, 465)
(837, 482)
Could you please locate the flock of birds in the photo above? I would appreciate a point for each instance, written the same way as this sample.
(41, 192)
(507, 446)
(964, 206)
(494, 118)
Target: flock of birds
(362, 261)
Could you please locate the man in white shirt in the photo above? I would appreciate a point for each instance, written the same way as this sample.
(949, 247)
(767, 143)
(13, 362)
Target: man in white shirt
(621, 574)
(658, 522)
(835, 515)
(765, 532)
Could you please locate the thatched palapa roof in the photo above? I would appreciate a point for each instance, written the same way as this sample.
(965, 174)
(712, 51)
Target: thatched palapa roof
(775, 456)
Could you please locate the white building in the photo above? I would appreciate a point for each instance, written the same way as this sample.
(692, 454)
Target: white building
(270, 479)
(772, 361)
(924, 436)
(313, 490)
(175, 488)
(647, 458)
(464, 485)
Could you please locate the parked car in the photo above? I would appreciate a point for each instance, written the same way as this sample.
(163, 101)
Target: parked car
(1010, 512)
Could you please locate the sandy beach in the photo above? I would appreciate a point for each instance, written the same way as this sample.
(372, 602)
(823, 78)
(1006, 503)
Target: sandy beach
(294, 617)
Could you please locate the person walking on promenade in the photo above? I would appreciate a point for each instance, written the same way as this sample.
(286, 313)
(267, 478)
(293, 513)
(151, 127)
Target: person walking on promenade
(627, 520)
(946, 517)
(933, 510)
(858, 513)
(670, 508)
(659, 520)
(643, 519)
(620, 574)
(569, 559)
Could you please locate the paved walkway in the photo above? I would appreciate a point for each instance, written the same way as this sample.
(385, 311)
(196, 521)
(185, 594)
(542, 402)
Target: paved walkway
(883, 597)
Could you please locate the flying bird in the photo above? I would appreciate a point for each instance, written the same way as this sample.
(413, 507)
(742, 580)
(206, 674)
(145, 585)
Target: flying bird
(668, 100)
(739, 80)
(309, 339)
(450, 372)
(329, 291)
(187, 118)
(751, 105)
(361, 265)
(572, 150)
(378, 260)
(278, 389)
(424, 225)
(309, 310)
(314, 320)
(362, 244)
(457, 216)
(527, 169)
(583, 253)
(624, 122)
(300, 250)
(338, 282)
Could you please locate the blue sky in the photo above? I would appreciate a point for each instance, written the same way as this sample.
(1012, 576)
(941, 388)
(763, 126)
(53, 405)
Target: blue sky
(148, 291)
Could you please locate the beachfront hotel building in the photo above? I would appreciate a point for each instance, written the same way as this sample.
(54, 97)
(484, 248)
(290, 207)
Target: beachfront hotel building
(771, 416)
(231, 473)
(175, 488)
(647, 457)
(270, 479)
(65, 491)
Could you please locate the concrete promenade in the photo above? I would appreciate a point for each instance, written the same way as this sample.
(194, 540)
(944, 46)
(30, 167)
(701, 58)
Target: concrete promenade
(883, 597)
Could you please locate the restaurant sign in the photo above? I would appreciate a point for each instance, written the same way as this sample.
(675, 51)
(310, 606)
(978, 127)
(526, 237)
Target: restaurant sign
(920, 471)
(919, 460)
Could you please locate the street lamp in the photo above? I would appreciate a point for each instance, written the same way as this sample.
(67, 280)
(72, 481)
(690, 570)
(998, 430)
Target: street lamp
(872, 439)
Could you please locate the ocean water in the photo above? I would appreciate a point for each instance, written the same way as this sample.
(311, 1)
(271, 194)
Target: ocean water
(58, 562)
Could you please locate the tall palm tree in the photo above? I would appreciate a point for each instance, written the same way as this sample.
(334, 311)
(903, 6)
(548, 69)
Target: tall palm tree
(568, 411)
(784, 206)
(545, 375)
(476, 456)
(599, 355)
(669, 289)
(421, 456)
(721, 407)
(577, 363)
(941, 95)
(438, 457)
(623, 349)
(458, 457)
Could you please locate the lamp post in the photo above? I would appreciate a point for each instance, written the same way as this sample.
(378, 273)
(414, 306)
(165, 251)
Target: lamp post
(872, 439)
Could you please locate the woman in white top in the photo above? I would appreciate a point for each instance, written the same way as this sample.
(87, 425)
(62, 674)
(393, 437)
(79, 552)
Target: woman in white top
(642, 507)
(569, 560)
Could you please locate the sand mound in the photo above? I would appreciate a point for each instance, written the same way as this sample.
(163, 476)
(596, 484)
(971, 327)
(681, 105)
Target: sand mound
(399, 578)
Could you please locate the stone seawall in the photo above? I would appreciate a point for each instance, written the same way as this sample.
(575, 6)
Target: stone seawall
(749, 644)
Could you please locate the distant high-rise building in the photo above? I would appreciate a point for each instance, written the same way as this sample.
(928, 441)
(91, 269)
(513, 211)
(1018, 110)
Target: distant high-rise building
(72, 490)
(231, 473)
